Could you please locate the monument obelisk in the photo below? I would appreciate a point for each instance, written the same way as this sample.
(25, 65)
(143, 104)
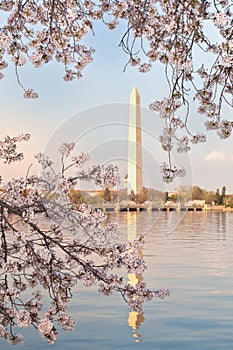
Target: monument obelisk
(135, 182)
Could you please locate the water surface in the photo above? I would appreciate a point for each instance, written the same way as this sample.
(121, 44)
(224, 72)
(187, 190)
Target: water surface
(192, 255)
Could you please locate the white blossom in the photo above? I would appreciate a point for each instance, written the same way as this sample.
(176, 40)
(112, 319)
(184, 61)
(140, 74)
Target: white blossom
(23, 318)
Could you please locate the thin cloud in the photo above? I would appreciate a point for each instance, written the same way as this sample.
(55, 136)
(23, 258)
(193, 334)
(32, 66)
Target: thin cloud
(218, 156)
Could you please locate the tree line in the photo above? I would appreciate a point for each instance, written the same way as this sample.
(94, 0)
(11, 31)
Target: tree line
(197, 193)
(181, 194)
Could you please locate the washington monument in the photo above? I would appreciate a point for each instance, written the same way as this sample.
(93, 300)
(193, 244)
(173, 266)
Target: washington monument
(135, 182)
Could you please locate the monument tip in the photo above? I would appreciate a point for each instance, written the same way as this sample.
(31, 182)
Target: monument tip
(135, 90)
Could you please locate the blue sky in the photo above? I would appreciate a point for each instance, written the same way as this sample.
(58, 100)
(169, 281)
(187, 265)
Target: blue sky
(80, 103)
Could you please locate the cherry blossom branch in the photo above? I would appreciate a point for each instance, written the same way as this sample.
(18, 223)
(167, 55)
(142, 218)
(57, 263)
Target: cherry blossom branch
(70, 244)
(169, 32)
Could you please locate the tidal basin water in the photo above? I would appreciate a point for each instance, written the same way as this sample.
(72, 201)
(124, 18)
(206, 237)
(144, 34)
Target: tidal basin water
(193, 255)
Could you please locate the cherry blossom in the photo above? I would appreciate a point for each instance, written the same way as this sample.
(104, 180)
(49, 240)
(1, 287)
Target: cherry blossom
(70, 244)
(169, 172)
(8, 151)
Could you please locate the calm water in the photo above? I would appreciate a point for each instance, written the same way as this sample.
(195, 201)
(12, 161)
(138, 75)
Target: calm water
(192, 255)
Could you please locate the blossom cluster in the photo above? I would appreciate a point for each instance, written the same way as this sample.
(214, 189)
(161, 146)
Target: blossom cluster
(101, 174)
(48, 245)
(8, 152)
(169, 172)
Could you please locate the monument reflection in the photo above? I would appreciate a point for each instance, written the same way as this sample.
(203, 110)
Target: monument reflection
(135, 319)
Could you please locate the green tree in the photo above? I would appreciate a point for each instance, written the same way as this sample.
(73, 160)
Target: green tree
(224, 191)
(230, 201)
(76, 196)
(218, 197)
(106, 195)
(222, 196)
(198, 193)
(174, 197)
(210, 197)
(142, 196)
(166, 197)
(132, 196)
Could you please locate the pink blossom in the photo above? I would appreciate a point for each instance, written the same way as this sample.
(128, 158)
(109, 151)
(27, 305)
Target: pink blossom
(30, 94)
(45, 326)
(23, 318)
(220, 19)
